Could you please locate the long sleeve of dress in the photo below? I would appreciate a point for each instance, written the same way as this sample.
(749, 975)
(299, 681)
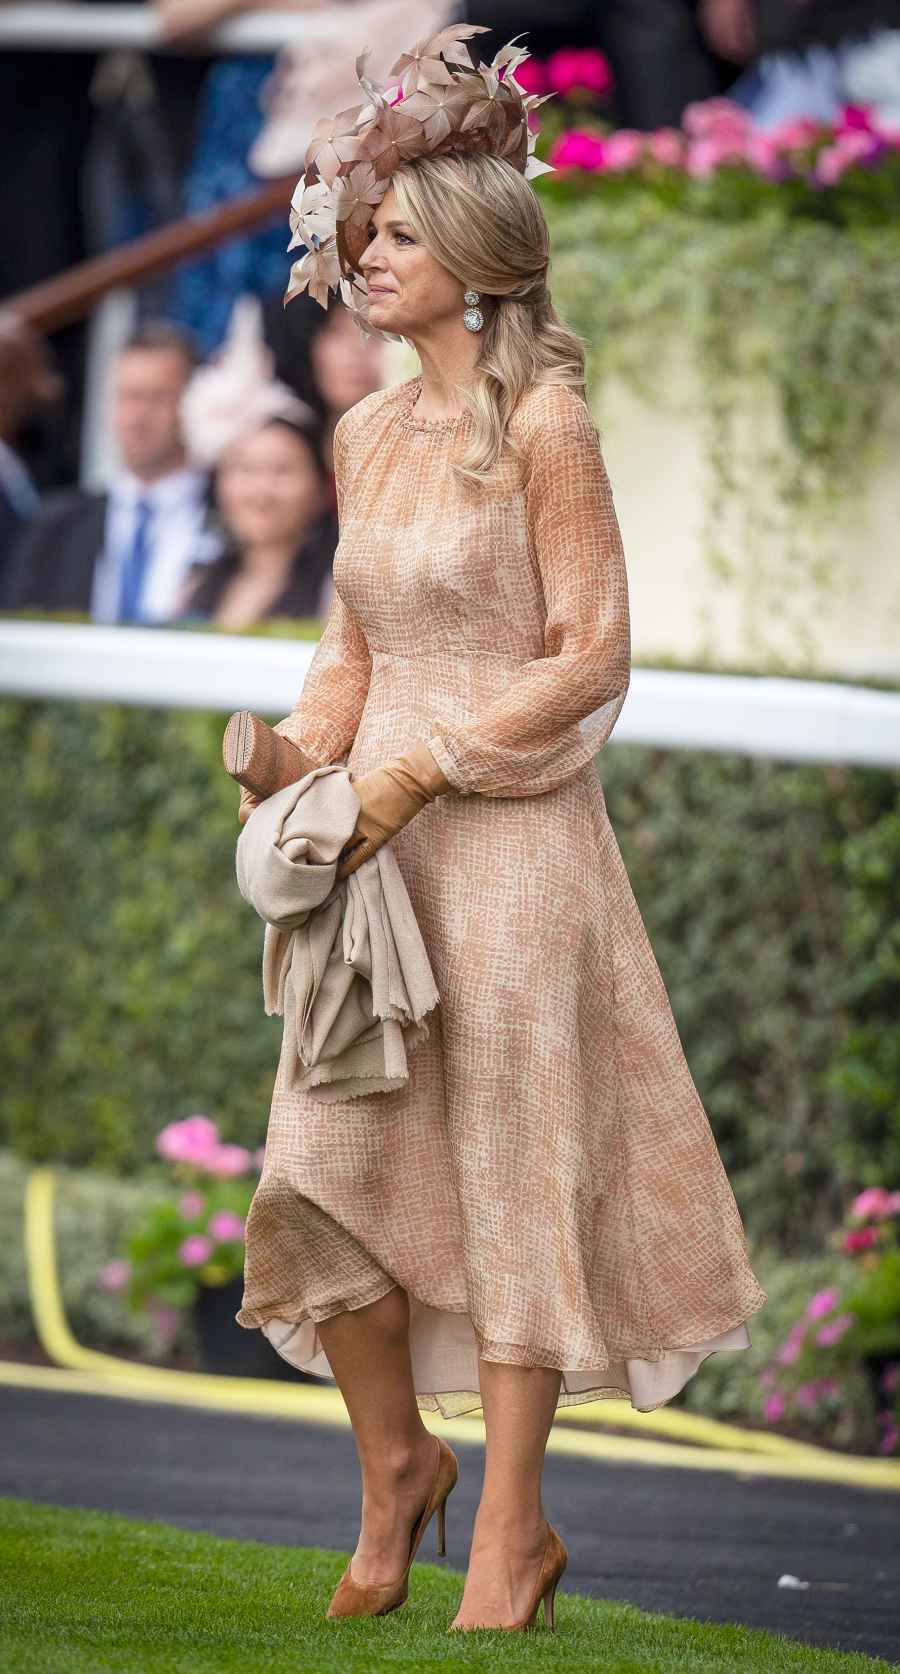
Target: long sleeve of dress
(325, 718)
(543, 728)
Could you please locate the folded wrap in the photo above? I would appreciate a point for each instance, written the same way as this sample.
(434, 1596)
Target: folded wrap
(343, 962)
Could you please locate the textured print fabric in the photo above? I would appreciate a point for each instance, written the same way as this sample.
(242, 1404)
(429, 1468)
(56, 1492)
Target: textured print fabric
(546, 1187)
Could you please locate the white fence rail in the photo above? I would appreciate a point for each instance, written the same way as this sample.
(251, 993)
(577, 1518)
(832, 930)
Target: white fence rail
(62, 28)
(789, 720)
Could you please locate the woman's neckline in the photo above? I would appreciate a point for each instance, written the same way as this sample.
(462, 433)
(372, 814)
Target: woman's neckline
(414, 422)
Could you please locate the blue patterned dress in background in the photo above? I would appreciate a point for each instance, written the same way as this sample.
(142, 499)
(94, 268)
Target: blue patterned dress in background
(202, 292)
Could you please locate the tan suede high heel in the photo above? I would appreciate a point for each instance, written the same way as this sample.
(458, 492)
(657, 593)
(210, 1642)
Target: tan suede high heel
(553, 1564)
(352, 1598)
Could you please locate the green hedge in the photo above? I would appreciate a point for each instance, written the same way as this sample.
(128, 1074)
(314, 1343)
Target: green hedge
(131, 965)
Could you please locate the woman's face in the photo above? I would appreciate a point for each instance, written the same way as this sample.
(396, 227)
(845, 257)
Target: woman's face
(409, 290)
(346, 365)
(268, 488)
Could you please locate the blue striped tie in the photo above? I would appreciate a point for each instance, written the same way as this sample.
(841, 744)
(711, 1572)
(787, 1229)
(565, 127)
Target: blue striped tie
(135, 565)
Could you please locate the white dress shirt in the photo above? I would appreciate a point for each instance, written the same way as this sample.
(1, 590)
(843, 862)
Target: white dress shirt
(177, 540)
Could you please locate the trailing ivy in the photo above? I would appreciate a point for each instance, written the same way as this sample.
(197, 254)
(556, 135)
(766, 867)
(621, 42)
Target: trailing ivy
(774, 304)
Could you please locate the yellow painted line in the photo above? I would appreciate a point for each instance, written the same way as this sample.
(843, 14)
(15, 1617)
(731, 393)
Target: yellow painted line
(88, 1371)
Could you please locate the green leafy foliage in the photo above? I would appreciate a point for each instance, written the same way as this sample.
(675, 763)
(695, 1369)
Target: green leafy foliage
(768, 309)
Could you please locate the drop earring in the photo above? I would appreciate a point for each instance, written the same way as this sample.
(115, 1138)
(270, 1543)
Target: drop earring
(473, 319)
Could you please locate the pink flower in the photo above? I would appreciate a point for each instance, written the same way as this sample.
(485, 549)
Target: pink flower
(765, 157)
(190, 1205)
(225, 1225)
(861, 1239)
(807, 1394)
(531, 76)
(834, 1330)
(114, 1275)
(889, 1441)
(830, 165)
(855, 118)
(822, 1303)
(796, 133)
(788, 1353)
(890, 1377)
(227, 1161)
(166, 1319)
(773, 1408)
(576, 149)
(719, 119)
(189, 1141)
(195, 1250)
(874, 1201)
(767, 1377)
(666, 145)
(623, 149)
(578, 67)
(706, 155)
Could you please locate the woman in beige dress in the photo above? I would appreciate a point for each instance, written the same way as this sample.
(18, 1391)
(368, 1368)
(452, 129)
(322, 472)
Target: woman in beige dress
(540, 1215)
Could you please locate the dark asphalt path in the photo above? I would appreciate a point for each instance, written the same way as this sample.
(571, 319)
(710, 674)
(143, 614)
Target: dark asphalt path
(688, 1543)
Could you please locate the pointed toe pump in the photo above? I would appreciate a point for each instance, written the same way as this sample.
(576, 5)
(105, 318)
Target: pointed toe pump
(353, 1598)
(553, 1564)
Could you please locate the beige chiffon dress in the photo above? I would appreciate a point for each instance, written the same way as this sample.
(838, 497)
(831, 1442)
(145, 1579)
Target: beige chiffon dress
(546, 1186)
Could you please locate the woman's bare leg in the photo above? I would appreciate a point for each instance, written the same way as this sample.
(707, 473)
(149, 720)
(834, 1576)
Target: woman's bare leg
(510, 1528)
(368, 1351)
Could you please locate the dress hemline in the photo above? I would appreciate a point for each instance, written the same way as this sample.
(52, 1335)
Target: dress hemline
(445, 1347)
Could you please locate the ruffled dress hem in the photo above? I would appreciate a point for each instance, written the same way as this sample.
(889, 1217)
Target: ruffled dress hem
(445, 1349)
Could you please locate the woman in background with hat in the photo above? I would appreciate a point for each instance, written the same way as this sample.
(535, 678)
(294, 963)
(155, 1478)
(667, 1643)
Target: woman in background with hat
(540, 1216)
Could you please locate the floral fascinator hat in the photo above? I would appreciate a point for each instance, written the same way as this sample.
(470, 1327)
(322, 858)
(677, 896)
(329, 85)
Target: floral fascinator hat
(235, 394)
(444, 102)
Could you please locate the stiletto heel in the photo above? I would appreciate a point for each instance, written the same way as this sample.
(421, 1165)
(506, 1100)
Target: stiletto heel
(553, 1564)
(353, 1598)
(442, 1529)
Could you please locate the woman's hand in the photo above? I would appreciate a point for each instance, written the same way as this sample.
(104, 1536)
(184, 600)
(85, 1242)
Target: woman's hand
(246, 805)
(390, 796)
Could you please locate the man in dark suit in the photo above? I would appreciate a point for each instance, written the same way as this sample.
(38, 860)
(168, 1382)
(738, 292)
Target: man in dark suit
(122, 555)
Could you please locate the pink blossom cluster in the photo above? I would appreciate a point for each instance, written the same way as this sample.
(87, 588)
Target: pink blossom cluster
(569, 71)
(807, 1396)
(223, 1227)
(195, 1141)
(715, 133)
(876, 1204)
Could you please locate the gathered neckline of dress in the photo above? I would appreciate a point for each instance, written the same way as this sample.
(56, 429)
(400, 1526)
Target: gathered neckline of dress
(412, 421)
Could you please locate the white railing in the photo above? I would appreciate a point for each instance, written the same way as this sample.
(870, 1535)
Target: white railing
(757, 715)
(62, 28)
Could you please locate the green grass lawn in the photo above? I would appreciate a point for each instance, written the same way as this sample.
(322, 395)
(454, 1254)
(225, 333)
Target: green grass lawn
(85, 1592)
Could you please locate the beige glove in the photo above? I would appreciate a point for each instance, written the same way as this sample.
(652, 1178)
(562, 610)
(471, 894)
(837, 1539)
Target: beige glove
(389, 797)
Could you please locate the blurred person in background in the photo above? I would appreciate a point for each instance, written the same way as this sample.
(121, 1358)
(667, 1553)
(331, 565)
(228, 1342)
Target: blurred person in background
(274, 499)
(324, 357)
(272, 486)
(27, 384)
(121, 554)
(810, 59)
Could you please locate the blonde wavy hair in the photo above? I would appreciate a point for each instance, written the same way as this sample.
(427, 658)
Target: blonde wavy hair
(480, 218)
